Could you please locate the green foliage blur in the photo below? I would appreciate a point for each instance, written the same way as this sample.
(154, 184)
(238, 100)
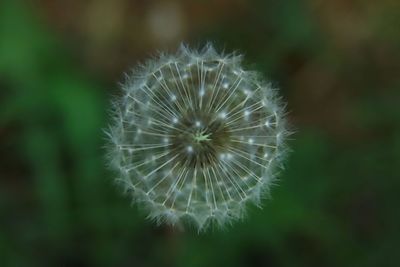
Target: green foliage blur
(337, 64)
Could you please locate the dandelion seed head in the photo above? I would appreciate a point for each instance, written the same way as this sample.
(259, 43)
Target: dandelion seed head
(195, 136)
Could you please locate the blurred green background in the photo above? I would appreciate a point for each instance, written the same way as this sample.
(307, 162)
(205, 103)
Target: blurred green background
(337, 63)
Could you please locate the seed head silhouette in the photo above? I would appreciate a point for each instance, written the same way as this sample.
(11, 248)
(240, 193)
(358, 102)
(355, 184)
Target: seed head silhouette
(195, 137)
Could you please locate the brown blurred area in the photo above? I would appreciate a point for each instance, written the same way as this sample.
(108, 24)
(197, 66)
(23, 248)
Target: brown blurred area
(114, 34)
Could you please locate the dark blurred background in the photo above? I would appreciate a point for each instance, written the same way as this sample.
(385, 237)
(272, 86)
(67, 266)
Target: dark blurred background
(337, 63)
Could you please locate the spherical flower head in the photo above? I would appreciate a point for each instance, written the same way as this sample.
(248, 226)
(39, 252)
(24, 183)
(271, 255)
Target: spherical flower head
(195, 137)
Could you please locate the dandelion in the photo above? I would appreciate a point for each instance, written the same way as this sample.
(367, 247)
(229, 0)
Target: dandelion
(195, 137)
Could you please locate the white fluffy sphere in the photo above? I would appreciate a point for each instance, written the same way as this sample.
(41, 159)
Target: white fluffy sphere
(196, 136)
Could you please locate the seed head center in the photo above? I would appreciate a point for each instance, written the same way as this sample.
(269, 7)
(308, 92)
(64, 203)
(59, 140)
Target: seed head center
(201, 136)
